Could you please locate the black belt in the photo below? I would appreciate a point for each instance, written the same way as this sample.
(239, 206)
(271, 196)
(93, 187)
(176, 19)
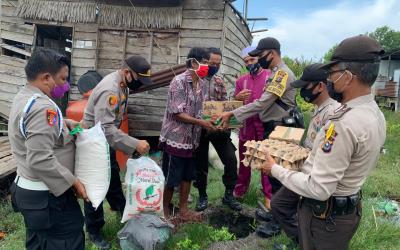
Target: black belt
(334, 206)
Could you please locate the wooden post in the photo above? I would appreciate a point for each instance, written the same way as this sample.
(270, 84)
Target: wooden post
(96, 53)
(124, 45)
(151, 46)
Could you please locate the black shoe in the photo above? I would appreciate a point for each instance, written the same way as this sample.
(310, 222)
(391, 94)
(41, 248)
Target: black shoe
(202, 204)
(99, 241)
(263, 215)
(268, 230)
(230, 201)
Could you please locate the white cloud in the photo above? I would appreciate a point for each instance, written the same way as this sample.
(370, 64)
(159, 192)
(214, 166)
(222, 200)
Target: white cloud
(312, 34)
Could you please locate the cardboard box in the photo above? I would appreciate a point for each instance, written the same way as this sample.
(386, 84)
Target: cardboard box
(213, 109)
(287, 134)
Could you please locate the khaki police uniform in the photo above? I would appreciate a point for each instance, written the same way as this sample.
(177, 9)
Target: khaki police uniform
(344, 153)
(215, 90)
(277, 87)
(284, 202)
(107, 104)
(45, 156)
(318, 119)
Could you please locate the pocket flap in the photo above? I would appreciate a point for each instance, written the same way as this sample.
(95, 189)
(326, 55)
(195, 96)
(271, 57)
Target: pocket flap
(28, 199)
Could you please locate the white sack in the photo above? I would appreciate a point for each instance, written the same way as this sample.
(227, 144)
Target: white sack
(92, 163)
(144, 187)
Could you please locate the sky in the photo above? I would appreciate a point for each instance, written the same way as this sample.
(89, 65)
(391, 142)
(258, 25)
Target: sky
(309, 28)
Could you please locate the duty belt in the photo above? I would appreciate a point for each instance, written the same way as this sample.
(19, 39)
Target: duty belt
(30, 185)
(334, 206)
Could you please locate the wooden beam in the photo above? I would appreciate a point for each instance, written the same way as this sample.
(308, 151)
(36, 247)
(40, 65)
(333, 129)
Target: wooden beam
(151, 46)
(15, 49)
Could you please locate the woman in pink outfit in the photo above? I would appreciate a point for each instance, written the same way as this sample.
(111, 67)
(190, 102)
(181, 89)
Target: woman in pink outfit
(249, 87)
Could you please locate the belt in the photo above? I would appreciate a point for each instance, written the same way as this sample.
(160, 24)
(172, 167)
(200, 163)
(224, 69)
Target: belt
(335, 205)
(30, 185)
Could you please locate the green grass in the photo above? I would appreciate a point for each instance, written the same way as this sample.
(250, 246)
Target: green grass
(383, 182)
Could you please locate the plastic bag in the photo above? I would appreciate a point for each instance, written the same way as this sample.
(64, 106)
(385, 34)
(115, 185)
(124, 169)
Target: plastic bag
(92, 163)
(144, 231)
(145, 187)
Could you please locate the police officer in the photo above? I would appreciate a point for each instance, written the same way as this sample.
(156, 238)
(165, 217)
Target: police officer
(107, 104)
(45, 187)
(344, 152)
(313, 90)
(214, 90)
(278, 97)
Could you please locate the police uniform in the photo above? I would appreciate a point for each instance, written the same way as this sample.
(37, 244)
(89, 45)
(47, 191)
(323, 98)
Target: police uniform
(107, 104)
(284, 202)
(345, 152)
(214, 90)
(318, 119)
(273, 105)
(45, 156)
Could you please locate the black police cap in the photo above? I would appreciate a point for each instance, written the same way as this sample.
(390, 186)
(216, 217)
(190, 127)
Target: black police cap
(265, 44)
(356, 49)
(312, 73)
(140, 66)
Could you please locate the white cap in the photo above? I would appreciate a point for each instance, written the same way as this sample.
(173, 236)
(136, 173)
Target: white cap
(245, 51)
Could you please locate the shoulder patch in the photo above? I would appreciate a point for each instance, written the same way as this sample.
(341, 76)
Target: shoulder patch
(112, 101)
(330, 135)
(277, 85)
(51, 117)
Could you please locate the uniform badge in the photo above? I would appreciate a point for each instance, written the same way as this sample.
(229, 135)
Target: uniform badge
(278, 84)
(330, 135)
(51, 116)
(112, 101)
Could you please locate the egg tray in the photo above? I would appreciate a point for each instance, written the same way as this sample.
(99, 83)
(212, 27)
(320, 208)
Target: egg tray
(286, 154)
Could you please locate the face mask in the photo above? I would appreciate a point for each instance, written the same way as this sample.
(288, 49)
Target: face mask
(59, 91)
(134, 84)
(253, 68)
(307, 94)
(202, 70)
(338, 96)
(212, 70)
(263, 61)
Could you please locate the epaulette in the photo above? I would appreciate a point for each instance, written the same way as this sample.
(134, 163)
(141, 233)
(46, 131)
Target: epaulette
(339, 112)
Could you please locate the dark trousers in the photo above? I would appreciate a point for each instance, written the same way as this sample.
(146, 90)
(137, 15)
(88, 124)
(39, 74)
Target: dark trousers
(226, 151)
(284, 208)
(318, 234)
(94, 219)
(51, 222)
(268, 128)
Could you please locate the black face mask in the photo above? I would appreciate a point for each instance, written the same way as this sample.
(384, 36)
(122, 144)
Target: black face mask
(263, 61)
(332, 93)
(253, 68)
(307, 94)
(212, 70)
(134, 84)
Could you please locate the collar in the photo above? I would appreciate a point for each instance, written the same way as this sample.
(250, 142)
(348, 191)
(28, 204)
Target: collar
(360, 100)
(325, 104)
(34, 89)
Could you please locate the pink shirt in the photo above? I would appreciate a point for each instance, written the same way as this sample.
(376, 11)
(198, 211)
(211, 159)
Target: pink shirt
(253, 126)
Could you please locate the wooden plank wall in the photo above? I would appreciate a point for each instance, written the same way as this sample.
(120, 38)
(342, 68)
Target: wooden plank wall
(12, 74)
(236, 37)
(202, 23)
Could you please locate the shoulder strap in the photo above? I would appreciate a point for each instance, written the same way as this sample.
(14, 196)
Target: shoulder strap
(27, 108)
(282, 104)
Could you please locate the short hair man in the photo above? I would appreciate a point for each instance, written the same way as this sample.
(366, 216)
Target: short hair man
(45, 189)
(313, 89)
(108, 104)
(345, 151)
(214, 90)
(180, 132)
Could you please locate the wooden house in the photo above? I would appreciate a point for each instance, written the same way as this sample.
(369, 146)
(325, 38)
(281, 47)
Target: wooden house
(100, 34)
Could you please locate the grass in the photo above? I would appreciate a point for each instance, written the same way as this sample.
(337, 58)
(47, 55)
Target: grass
(383, 182)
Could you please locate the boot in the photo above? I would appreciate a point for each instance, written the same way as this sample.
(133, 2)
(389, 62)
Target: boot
(202, 204)
(98, 240)
(268, 229)
(230, 201)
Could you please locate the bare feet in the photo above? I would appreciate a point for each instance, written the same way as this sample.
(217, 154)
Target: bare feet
(267, 203)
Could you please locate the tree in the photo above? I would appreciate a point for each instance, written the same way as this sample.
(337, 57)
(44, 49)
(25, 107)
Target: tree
(387, 37)
(328, 55)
